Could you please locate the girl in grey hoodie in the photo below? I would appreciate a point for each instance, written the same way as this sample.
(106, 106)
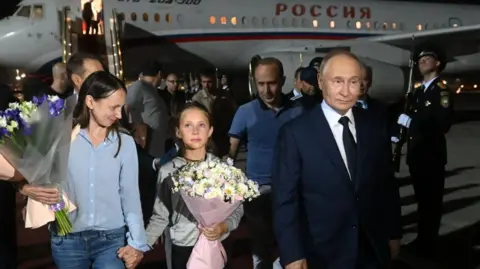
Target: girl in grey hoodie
(170, 212)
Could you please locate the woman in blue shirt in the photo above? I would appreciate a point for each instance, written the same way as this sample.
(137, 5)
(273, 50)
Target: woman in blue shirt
(107, 227)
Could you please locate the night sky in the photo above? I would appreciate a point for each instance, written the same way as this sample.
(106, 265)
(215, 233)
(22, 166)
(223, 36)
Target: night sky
(8, 6)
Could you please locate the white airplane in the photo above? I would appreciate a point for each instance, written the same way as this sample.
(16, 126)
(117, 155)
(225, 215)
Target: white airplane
(230, 34)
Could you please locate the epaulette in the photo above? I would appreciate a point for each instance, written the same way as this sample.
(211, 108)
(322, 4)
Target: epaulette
(442, 85)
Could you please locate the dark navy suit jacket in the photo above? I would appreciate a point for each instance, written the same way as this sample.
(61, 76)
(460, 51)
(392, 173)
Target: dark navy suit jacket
(317, 208)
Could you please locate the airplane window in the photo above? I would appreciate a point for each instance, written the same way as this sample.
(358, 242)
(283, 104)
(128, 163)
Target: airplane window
(168, 18)
(349, 24)
(180, 18)
(358, 25)
(156, 17)
(295, 22)
(394, 26)
(212, 20)
(133, 16)
(385, 26)
(376, 25)
(315, 23)
(368, 25)
(304, 23)
(275, 22)
(233, 20)
(285, 22)
(455, 22)
(121, 16)
(419, 27)
(255, 21)
(264, 21)
(37, 12)
(223, 20)
(332, 24)
(24, 11)
(244, 20)
(145, 17)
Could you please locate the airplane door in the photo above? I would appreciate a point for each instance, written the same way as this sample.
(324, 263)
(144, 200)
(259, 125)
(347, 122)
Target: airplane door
(252, 87)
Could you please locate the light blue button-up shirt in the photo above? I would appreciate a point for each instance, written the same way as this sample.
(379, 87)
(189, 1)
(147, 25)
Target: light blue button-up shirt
(104, 188)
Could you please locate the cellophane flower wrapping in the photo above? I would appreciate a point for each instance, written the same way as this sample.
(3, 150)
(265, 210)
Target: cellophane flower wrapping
(35, 138)
(212, 190)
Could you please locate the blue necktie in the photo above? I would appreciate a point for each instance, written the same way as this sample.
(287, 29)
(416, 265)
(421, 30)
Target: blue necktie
(349, 145)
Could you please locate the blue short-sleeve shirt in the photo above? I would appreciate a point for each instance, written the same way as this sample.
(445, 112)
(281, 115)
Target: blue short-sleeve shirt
(258, 125)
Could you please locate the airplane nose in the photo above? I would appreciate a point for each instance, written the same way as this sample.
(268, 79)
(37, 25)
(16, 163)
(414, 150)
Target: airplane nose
(10, 45)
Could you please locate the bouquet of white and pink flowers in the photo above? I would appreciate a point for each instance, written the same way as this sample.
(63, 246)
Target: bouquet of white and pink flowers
(35, 140)
(212, 190)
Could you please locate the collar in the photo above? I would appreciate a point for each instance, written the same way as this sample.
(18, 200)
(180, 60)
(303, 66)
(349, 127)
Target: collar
(111, 137)
(333, 116)
(296, 92)
(428, 83)
(286, 102)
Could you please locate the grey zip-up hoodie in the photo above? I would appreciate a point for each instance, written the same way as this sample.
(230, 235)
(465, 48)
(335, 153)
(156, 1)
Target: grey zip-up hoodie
(170, 211)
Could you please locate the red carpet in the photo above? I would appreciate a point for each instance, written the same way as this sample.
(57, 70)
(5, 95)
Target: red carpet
(34, 249)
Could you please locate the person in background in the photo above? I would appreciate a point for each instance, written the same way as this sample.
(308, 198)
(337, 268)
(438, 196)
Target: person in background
(365, 101)
(316, 63)
(8, 225)
(428, 119)
(59, 85)
(148, 111)
(194, 129)
(311, 94)
(103, 184)
(87, 15)
(297, 91)
(79, 66)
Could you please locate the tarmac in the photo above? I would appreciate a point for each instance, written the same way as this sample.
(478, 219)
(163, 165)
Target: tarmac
(460, 229)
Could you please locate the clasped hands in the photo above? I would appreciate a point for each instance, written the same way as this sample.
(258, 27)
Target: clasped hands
(215, 232)
(130, 256)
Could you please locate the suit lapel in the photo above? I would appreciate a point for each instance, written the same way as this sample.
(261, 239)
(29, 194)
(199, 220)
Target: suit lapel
(362, 128)
(327, 141)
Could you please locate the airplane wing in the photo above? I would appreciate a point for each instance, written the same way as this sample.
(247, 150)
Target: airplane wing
(453, 42)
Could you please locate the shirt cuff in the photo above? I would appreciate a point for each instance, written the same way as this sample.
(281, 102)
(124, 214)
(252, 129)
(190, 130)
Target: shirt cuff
(138, 245)
(153, 165)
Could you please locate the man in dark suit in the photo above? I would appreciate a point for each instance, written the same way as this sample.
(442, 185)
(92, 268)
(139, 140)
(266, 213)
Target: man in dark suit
(336, 202)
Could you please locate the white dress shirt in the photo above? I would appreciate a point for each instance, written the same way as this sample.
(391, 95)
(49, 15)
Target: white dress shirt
(337, 129)
(427, 83)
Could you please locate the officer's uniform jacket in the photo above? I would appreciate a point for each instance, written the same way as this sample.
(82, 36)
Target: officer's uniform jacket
(431, 113)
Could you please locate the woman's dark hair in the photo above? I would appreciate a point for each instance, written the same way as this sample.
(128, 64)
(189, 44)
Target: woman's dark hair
(6, 96)
(99, 85)
(194, 105)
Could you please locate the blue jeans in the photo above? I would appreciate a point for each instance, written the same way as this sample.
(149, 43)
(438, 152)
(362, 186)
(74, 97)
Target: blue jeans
(89, 249)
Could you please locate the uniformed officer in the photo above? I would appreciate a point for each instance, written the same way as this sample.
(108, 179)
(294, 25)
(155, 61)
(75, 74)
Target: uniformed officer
(428, 120)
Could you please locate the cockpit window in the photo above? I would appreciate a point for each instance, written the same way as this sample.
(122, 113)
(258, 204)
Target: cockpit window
(24, 11)
(37, 12)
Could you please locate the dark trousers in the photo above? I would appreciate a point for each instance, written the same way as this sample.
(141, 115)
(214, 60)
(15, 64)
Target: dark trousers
(8, 226)
(259, 217)
(366, 258)
(428, 183)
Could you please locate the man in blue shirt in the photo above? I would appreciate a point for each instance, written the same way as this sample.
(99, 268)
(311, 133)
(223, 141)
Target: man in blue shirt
(258, 123)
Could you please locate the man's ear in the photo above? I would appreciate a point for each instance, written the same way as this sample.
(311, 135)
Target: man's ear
(77, 80)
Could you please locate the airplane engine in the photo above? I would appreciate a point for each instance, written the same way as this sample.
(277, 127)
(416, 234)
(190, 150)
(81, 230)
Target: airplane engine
(388, 80)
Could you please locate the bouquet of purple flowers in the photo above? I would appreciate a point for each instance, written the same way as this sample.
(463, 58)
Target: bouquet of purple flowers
(35, 139)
